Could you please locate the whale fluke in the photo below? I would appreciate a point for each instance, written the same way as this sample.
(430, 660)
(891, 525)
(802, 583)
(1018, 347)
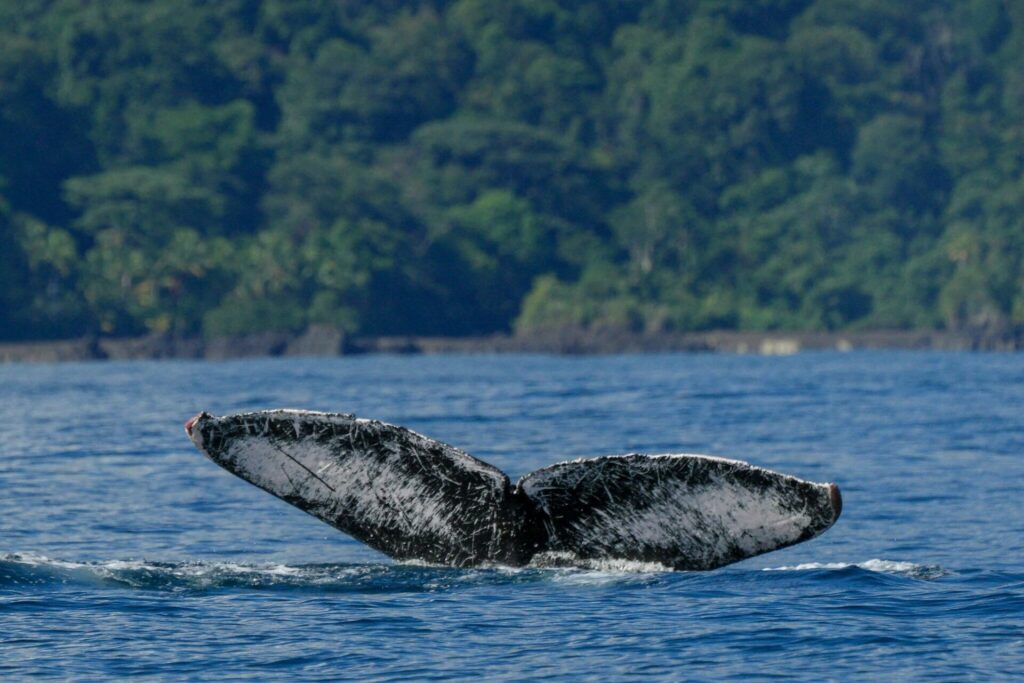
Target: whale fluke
(411, 497)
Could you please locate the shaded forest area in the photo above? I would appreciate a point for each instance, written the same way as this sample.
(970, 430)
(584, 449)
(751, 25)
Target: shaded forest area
(457, 168)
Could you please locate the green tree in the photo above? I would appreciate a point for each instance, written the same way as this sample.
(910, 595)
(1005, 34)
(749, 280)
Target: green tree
(150, 266)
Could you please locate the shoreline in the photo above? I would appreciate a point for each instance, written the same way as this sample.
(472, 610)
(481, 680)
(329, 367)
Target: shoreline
(328, 342)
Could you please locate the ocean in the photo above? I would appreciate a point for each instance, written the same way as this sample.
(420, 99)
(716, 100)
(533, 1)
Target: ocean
(124, 553)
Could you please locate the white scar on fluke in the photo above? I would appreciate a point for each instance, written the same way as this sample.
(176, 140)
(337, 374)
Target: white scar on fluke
(414, 498)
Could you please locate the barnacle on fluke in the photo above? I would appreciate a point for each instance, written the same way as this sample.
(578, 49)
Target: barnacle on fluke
(411, 497)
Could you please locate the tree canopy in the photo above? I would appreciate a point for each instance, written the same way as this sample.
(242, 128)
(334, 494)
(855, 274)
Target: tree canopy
(467, 166)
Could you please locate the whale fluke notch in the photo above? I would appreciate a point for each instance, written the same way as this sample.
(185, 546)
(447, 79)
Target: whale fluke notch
(412, 497)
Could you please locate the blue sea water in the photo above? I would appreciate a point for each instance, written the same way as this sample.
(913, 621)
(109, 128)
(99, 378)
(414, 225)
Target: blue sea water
(126, 554)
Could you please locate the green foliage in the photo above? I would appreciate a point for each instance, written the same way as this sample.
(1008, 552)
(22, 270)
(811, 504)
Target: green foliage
(148, 267)
(488, 253)
(461, 167)
(38, 267)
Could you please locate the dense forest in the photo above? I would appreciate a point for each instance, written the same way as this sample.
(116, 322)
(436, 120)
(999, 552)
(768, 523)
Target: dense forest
(393, 166)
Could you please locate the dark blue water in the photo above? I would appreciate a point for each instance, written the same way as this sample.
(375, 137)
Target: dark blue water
(124, 553)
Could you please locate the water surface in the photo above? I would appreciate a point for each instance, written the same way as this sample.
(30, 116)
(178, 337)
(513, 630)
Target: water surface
(124, 553)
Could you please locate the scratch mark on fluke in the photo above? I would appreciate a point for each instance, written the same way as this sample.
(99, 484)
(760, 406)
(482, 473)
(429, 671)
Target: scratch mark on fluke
(299, 463)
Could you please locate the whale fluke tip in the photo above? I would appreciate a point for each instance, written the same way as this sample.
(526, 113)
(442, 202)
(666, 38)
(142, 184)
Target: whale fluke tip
(837, 500)
(192, 421)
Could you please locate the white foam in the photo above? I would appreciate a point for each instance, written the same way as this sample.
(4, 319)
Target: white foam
(416, 562)
(873, 565)
(188, 570)
(37, 560)
(567, 560)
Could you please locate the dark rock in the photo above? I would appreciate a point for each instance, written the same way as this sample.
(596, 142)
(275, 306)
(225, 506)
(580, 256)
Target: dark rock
(153, 346)
(318, 340)
(52, 351)
(392, 345)
(247, 345)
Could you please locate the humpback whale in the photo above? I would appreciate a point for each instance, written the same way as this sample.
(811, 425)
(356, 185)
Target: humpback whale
(414, 498)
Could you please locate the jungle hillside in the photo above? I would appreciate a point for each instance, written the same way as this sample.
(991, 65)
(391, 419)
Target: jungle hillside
(461, 168)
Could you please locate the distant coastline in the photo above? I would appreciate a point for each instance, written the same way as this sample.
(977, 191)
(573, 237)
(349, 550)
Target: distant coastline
(327, 342)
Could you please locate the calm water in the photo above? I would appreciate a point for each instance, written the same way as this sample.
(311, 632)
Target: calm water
(124, 553)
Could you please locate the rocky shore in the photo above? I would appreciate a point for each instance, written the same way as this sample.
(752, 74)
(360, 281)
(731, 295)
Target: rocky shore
(325, 341)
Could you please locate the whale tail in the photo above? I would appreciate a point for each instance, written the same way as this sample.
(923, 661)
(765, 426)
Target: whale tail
(411, 497)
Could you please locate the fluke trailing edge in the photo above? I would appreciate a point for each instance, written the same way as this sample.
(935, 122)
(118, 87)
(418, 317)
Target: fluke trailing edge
(415, 498)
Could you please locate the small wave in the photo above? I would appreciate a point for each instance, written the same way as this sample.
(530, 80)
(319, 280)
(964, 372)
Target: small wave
(31, 569)
(594, 577)
(28, 569)
(910, 569)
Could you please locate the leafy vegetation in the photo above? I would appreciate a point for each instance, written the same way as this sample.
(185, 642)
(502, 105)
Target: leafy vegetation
(434, 167)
